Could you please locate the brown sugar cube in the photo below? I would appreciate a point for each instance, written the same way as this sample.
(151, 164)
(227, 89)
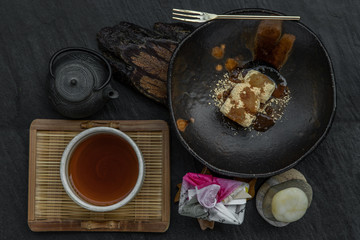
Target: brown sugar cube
(261, 81)
(281, 51)
(230, 64)
(242, 104)
(250, 98)
(267, 36)
(241, 116)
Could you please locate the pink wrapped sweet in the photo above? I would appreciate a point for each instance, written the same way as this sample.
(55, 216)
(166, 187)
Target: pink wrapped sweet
(213, 199)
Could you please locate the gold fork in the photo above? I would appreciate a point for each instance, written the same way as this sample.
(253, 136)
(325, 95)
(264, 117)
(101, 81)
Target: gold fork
(200, 17)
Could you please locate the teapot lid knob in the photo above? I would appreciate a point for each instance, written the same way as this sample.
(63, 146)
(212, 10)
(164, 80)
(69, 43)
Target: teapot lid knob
(73, 81)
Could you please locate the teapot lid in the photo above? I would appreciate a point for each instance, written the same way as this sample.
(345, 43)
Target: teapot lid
(78, 72)
(74, 81)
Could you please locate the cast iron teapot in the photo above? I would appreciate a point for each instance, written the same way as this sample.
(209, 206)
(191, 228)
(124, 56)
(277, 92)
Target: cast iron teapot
(79, 83)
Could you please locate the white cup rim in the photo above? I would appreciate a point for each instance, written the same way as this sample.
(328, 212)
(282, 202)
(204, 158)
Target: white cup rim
(65, 159)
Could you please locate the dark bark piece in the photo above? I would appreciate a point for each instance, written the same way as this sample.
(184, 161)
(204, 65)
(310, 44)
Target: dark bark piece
(150, 63)
(115, 38)
(120, 69)
(173, 31)
(140, 57)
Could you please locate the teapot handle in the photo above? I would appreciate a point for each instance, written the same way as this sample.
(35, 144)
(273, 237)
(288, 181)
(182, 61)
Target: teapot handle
(64, 50)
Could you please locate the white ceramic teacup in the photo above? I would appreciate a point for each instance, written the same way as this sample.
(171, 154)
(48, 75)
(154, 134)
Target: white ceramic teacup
(66, 157)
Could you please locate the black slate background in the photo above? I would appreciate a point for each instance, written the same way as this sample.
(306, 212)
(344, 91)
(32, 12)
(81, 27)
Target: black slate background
(31, 31)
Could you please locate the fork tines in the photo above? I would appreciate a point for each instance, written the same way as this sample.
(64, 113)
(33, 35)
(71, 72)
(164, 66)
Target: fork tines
(192, 16)
(187, 11)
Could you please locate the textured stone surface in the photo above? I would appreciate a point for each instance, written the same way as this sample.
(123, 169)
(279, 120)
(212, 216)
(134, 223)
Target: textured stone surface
(31, 31)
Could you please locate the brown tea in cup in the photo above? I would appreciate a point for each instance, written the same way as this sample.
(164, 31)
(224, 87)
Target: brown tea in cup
(103, 169)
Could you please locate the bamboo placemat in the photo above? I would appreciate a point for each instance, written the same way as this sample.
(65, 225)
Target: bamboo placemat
(50, 208)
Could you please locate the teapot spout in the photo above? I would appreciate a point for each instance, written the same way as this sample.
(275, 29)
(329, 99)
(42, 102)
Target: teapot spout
(110, 93)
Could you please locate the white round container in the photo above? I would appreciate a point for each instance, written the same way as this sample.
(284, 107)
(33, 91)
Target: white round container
(65, 164)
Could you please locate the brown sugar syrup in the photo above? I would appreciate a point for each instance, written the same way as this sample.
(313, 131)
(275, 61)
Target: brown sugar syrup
(103, 169)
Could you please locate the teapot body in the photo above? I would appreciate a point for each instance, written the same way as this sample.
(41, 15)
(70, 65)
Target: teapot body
(85, 108)
(79, 82)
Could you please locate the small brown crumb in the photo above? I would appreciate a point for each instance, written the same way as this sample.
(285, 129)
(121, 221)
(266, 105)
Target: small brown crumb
(219, 67)
(218, 52)
(177, 196)
(182, 124)
(204, 224)
(231, 64)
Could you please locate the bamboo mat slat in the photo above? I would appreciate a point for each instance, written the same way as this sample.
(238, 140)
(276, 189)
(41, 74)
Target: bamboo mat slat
(50, 208)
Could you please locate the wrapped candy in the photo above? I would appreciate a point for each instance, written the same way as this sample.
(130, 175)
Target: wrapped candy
(213, 199)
